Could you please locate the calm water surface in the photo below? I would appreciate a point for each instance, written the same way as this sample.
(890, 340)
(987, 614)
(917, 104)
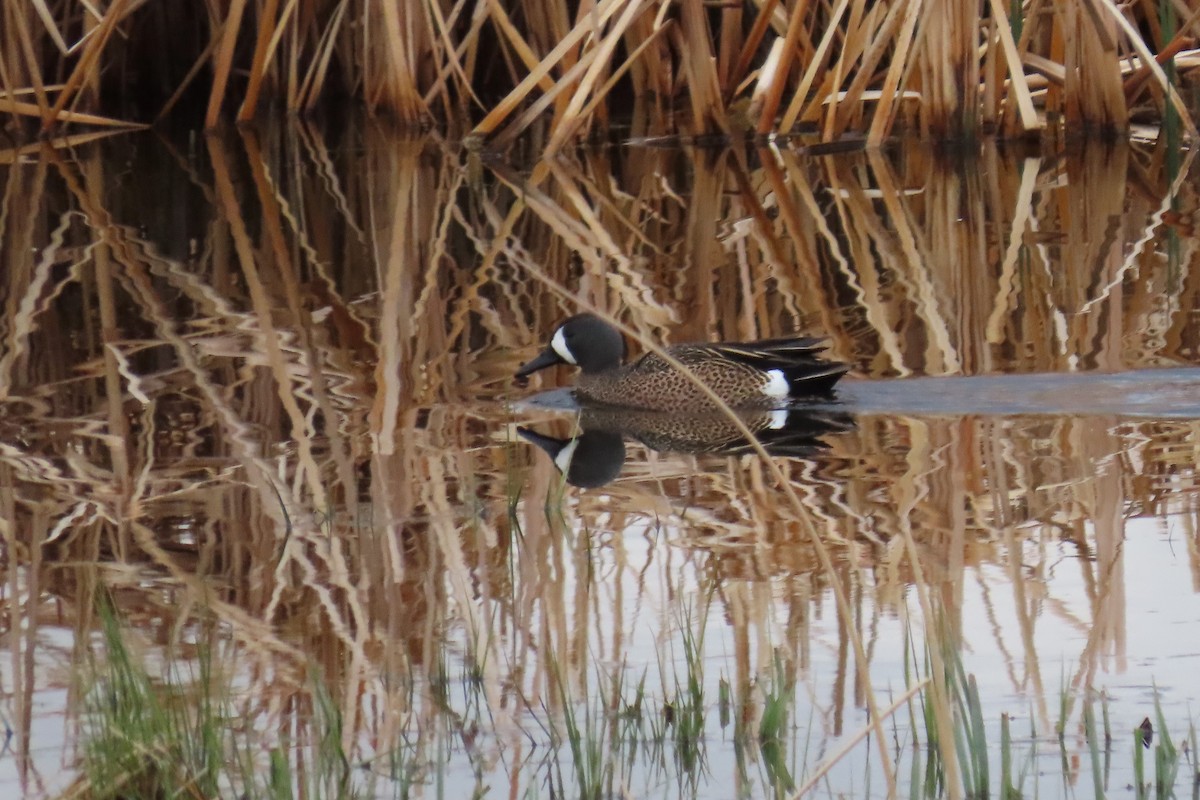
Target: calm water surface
(258, 389)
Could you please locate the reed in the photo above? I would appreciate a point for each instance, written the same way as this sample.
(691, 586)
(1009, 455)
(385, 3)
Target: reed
(848, 68)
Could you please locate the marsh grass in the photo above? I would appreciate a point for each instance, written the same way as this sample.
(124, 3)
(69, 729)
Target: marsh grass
(970, 733)
(1166, 754)
(142, 742)
(182, 735)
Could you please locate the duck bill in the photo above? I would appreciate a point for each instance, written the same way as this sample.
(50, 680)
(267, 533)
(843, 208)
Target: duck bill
(550, 445)
(546, 358)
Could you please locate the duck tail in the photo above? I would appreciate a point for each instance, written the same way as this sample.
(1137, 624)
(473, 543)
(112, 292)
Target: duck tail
(814, 378)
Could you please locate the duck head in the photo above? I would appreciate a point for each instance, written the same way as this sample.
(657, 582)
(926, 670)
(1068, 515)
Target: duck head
(585, 341)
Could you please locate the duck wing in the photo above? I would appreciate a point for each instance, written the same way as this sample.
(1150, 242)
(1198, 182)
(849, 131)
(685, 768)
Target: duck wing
(798, 358)
(775, 351)
(764, 354)
(801, 359)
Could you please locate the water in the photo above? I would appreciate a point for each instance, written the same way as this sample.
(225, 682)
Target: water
(259, 388)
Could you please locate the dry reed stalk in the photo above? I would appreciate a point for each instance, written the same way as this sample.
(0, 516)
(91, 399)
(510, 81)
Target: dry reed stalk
(223, 62)
(1049, 71)
(877, 43)
(536, 109)
(557, 23)
(452, 55)
(290, 67)
(1055, 100)
(709, 114)
(197, 65)
(950, 66)
(313, 81)
(268, 29)
(653, 72)
(859, 30)
(570, 118)
(765, 84)
(729, 45)
(750, 46)
(1167, 52)
(885, 110)
(1148, 60)
(516, 40)
(993, 80)
(51, 116)
(403, 53)
(867, 62)
(817, 65)
(1102, 100)
(1018, 88)
(600, 95)
(773, 76)
(604, 11)
(31, 68)
(1137, 78)
(282, 27)
(43, 12)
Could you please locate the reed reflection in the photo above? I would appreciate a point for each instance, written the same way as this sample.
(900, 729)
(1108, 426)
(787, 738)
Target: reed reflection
(275, 391)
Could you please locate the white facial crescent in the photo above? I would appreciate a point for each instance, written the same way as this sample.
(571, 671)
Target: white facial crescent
(559, 343)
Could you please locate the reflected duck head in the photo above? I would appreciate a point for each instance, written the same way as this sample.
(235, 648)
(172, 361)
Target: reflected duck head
(588, 461)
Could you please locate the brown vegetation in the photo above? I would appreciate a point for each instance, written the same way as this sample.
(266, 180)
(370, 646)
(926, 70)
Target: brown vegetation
(942, 68)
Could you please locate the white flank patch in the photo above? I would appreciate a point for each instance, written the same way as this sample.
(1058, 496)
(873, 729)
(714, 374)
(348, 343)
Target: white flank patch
(559, 343)
(563, 459)
(779, 419)
(777, 384)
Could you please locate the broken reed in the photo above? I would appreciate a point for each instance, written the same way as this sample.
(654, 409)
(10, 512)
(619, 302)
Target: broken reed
(942, 68)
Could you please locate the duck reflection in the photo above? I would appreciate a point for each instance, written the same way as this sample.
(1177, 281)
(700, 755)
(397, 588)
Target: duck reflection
(596, 454)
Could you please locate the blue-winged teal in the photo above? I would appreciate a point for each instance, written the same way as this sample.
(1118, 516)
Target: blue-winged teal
(744, 375)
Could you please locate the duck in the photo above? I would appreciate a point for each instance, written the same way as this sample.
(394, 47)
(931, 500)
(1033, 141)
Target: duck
(745, 375)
